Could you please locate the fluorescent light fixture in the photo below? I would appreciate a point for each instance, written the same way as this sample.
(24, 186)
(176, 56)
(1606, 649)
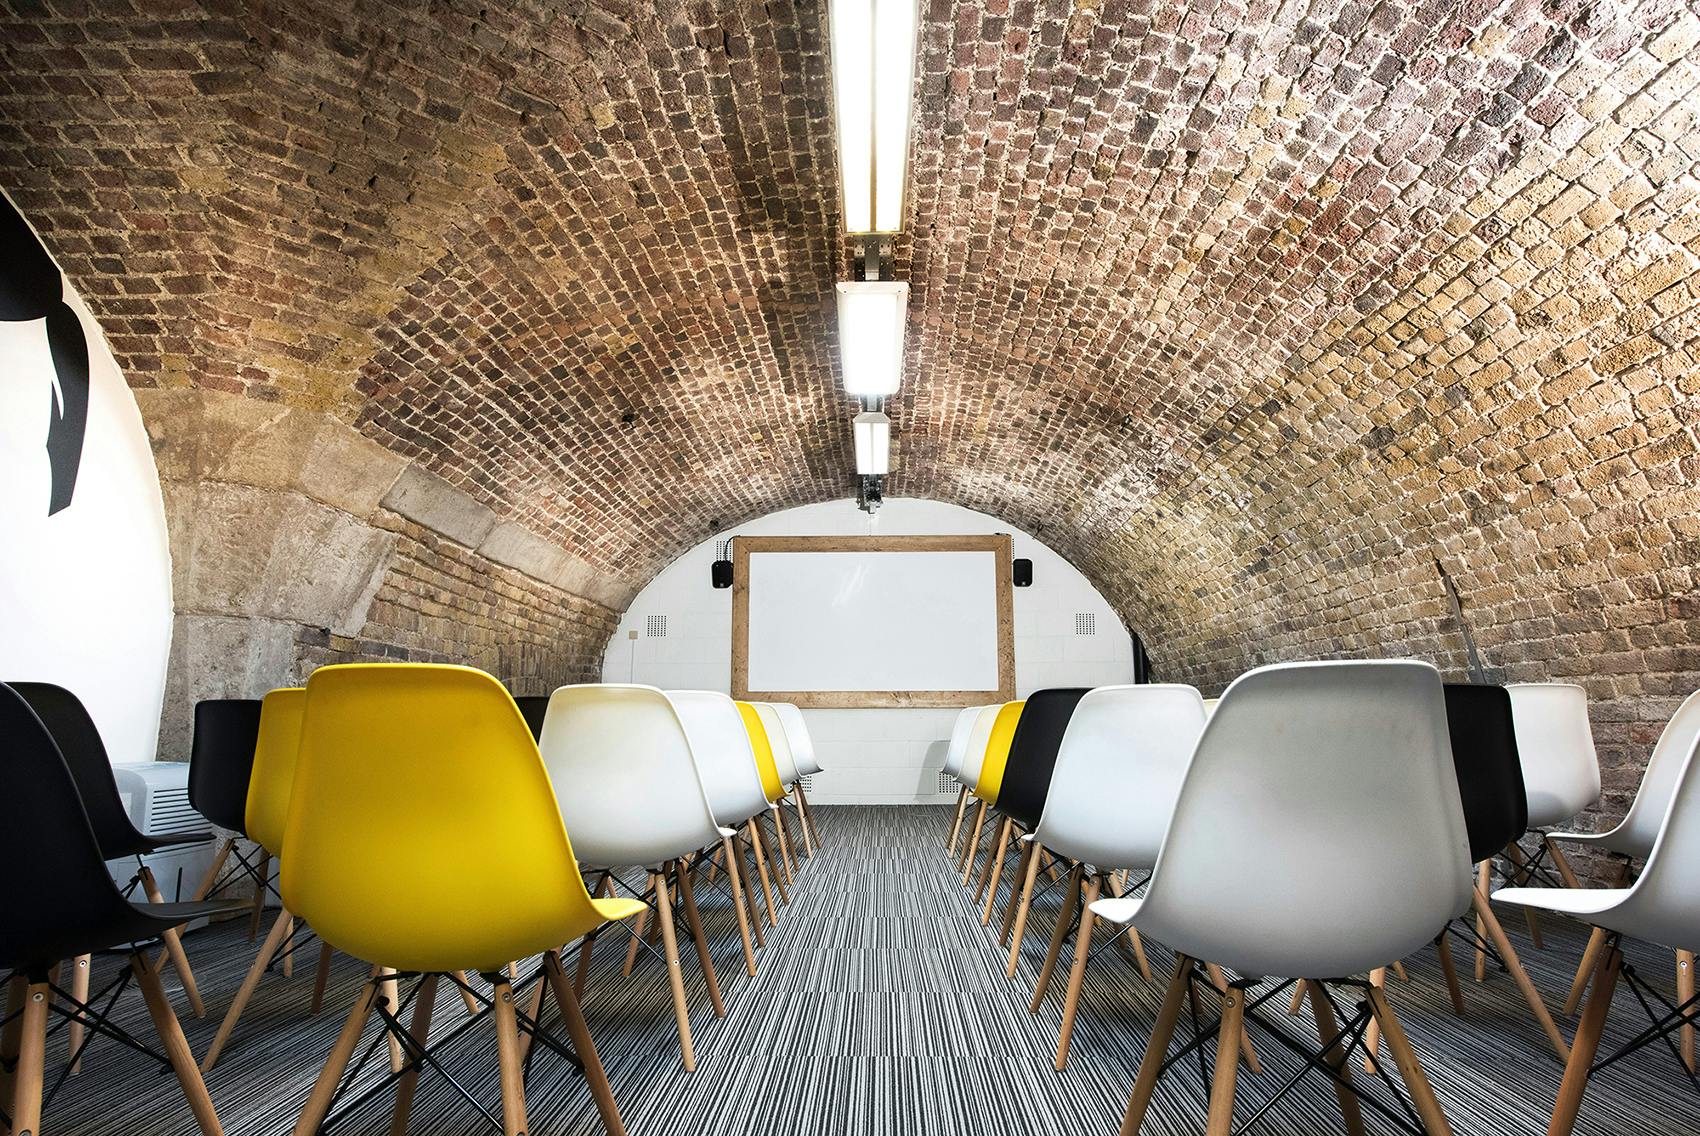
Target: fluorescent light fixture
(873, 72)
(873, 444)
(871, 317)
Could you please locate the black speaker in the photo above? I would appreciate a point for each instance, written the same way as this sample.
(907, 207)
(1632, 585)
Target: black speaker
(1024, 573)
(721, 573)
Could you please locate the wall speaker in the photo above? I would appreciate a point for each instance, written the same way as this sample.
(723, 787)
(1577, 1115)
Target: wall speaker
(1023, 573)
(721, 573)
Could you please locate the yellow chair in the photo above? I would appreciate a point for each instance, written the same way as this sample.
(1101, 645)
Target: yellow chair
(423, 834)
(775, 790)
(991, 775)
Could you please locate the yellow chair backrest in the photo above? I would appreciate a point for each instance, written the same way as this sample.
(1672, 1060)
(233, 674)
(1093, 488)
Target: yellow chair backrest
(423, 832)
(273, 777)
(765, 764)
(997, 751)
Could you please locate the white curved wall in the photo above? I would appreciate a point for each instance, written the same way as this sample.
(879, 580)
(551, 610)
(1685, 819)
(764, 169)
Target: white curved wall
(85, 594)
(871, 756)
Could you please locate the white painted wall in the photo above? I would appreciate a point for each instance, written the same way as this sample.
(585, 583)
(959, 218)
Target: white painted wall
(85, 594)
(871, 756)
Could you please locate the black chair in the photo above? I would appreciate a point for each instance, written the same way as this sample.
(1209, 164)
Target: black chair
(221, 761)
(533, 707)
(1496, 812)
(84, 754)
(1026, 783)
(57, 901)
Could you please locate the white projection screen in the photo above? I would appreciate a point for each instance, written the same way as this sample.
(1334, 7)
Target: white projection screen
(826, 621)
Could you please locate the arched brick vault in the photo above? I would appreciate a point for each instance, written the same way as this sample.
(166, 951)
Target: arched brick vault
(1253, 310)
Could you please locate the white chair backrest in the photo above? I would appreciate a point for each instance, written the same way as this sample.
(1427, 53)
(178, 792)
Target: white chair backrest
(721, 746)
(975, 754)
(1663, 906)
(797, 737)
(1318, 832)
(958, 746)
(1561, 774)
(1118, 772)
(1640, 827)
(1210, 706)
(778, 740)
(624, 776)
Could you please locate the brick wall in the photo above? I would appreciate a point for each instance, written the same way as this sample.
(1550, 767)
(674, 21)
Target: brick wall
(1254, 312)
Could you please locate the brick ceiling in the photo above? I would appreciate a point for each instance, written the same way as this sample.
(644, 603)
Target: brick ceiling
(1254, 311)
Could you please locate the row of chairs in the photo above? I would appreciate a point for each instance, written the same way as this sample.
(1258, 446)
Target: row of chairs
(1258, 834)
(456, 802)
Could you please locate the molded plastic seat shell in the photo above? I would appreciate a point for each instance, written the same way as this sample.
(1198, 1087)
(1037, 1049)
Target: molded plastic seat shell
(221, 759)
(1490, 774)
(1561, 773)
(1635, 835)
(721, 746)
(1033, 753)
(990, 782)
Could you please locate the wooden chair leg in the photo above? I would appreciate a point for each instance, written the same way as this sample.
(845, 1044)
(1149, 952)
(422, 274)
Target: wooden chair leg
(250, 983)
(972, 848)
(810, 842)
(1372, 1032)
(1562, 863)
(956, 825)
(675, 976)
(1028, 848)
(734, 873)
(1330, 1035)
(1508, 954)
(750, 888)
(32, 1061)
(1221, 1120)
(694, 918)
(637, 939)
(1484, 884)
(782, 837)
(1157, 1048)
(1398, 969)
(11, 1038)
(1298, 1001)
(1684, 992)
(714, 864)
(321, 977)
(1029, 876)
(1515, 855)
(534, 1011)
(507, 1053)
(176, 1047)
(263, 877)
(603, 890)
(1410, 1069)
(420, 1028)
(1585, 970)
(1077, 973)
(80, 991)
(387, 987)
(1131, 944)
(174, 947)
(1247, 1052)
(1581, 1062)
(1071, 896)
(754, 829)
(1443, 949)
(995, 870)
(324, 1089)
(573, 1017)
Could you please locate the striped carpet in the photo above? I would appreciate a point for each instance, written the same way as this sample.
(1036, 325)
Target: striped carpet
(880, 1007)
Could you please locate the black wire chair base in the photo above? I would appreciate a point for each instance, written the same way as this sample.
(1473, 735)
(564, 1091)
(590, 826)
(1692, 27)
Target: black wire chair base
(1349, 1041)
(419, 1056)
(1664, 1019)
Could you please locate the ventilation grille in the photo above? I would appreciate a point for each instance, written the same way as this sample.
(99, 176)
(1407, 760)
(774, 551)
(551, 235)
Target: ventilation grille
(946, 786)
(169, 812)
(806, 783)
(1085, 623)
(655, 626)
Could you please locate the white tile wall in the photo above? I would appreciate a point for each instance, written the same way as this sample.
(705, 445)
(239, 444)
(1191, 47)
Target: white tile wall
(871, 756)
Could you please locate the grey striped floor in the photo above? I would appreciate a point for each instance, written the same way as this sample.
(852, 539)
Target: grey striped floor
(880, 1007)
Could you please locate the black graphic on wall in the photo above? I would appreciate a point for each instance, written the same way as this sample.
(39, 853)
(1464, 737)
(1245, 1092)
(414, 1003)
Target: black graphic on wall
(31, 289)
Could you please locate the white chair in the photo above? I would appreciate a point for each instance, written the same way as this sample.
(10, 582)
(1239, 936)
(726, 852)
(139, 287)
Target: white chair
(1118, 772)
(1633, 838)
(1210, 706)
(636, 799)
(972, 758)
(1662, 906)
(786, 762)
(721, 747)
(803, 756)
(954, 753)
(1313, 785)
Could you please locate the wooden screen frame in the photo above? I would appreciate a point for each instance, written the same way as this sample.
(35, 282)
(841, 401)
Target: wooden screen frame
(998, 544)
